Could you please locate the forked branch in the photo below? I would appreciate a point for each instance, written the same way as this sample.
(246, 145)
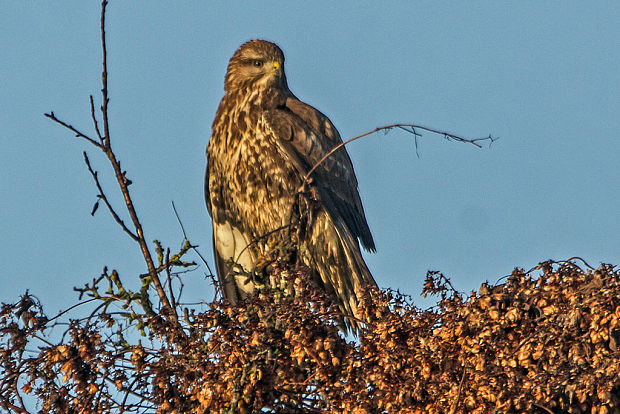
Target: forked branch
(104, 144)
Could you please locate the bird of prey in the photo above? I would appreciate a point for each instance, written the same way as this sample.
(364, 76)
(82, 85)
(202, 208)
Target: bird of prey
(264, 141)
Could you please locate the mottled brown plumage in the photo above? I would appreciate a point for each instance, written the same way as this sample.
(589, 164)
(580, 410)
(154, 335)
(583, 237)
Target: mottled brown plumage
(263, 143)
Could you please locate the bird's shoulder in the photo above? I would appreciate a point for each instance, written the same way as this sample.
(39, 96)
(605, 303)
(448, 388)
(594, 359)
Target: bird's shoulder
(314, 119)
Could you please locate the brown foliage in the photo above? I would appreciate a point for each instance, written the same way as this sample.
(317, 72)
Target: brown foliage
(534, 344)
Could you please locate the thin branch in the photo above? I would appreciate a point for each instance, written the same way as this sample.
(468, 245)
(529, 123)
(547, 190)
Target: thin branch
(447, 281)
(211, 274)
(103, 197)
(45, 341)
(582, 260)
(176, 213)
(14, 407)
(94, 118)
(128, 390)
(124, 182)
(19, 396)
(71, 128)
(411, 128)
(105, 146)
(169, 279)
(104, 77)
(70, 308)
(542, 407)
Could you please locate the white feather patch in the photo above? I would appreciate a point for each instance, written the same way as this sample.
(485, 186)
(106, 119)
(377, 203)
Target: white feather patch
(232, 244)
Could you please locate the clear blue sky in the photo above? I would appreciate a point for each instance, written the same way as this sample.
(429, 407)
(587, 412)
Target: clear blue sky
(545, 76)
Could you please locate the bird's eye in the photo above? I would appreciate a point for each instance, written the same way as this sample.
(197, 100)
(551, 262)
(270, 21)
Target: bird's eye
(257, 63)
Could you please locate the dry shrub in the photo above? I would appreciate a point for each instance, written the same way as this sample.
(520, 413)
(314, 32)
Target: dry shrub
(544, 344)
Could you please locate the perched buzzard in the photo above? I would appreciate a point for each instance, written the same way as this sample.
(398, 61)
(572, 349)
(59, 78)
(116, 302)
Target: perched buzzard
(264, 142)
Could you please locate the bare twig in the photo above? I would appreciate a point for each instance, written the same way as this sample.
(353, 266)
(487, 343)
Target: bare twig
(14, 407)
(176, 213)
(19, 397)
(103, 197)
(579, 258)
(45, 341)
(70, 308)
(122, 180)
(104, 77)
(542, 407)
(78, 134)
(411, 128)
(105, 146)
(449, 283)
(211, 275)
(169, 279)
(94, 118)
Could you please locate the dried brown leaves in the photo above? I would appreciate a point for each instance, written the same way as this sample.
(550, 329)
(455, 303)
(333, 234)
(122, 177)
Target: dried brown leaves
(534, 344)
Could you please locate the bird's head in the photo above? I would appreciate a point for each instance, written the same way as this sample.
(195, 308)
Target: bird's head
(256, 64)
